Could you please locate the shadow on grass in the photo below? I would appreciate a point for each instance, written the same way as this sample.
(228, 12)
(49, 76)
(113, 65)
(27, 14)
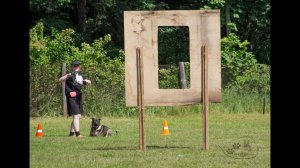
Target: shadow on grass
(167, 147)
(115, 148)
(148, 147)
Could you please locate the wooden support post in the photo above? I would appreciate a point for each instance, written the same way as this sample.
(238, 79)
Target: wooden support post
(264, 105)
(140, 94)
(205, 95)
(182, 75)
(63, 72)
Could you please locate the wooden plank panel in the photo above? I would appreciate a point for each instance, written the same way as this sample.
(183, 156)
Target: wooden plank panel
(140, 30)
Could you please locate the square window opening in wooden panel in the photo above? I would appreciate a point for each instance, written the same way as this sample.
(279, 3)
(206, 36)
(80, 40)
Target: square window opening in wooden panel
(173, 57)
(141, 30)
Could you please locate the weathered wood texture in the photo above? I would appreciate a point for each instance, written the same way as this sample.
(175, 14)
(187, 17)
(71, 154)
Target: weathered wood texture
(205, 95)
(141, 30)
(140, 96)
(64, 99)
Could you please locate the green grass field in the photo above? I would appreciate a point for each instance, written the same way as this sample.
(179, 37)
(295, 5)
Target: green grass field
(182, 148)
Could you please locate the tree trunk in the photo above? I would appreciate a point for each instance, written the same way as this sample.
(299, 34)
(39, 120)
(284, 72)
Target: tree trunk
(227, 14)
(81, 15)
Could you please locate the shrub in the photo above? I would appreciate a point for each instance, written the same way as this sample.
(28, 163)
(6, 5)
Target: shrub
(235, 58)
(240, 70)
(254, 80)
(169, 77)
(47, 53)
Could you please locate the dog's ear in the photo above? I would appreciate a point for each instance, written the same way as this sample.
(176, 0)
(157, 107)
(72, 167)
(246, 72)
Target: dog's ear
(92, 118)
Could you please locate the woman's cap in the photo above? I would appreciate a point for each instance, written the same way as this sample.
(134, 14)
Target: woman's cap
(74, 63)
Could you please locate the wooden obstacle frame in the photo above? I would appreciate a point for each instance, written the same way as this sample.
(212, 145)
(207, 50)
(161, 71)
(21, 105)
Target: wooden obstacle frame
(141, 62)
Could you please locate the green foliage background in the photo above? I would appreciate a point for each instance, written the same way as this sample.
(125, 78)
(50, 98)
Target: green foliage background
(47, 53)
(249, 20)
(54, 39)
(105, 97)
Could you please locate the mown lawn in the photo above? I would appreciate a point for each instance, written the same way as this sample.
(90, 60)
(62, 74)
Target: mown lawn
(182, 148)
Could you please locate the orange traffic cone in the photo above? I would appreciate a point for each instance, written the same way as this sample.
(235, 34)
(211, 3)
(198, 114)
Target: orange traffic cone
(39, 132)
(165, 130)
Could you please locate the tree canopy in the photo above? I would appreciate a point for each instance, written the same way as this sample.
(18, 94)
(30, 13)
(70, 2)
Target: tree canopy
(92, 19)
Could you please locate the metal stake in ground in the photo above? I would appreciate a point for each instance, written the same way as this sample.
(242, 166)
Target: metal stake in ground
(140, 94)
(264, 105)
(205, 95)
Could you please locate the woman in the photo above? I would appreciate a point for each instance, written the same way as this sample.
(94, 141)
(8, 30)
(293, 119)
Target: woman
(74, 82)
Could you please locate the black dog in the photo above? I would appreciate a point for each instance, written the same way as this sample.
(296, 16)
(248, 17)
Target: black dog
(99, 130)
